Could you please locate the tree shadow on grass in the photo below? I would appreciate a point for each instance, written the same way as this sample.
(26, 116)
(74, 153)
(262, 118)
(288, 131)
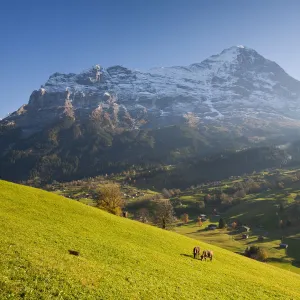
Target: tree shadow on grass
(278, 260)
(296, 263)
(239, 252)
(187, 255)
(192, 232)
(259, 242)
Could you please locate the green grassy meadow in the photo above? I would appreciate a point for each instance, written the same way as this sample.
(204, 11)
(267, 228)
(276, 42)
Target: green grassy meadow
(285, 259)
(119, 258)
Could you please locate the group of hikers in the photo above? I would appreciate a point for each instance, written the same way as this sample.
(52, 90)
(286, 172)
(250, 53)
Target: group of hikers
(205, 254)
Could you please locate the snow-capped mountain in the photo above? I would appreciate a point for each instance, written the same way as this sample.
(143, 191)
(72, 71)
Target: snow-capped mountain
(236, 84)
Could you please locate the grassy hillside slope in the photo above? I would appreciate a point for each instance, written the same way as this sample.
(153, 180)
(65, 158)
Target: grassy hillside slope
(120, 258)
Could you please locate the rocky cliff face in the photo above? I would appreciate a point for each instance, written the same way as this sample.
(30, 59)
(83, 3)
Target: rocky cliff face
(236, 85)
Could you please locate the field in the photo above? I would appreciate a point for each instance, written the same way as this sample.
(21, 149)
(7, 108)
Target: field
(119, 258)
(287, 259)
(260, 211)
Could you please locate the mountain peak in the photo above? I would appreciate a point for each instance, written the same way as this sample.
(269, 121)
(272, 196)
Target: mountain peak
(240, 49)
(234, 82)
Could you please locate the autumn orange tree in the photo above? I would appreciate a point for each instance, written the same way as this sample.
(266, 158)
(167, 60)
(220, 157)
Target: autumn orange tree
(199, 221)
(185, 218)
(233, 225)
(110, 198)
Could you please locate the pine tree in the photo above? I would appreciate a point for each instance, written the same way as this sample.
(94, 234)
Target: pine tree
(222, 223)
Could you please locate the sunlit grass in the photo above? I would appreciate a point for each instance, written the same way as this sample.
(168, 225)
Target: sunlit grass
(119, 258)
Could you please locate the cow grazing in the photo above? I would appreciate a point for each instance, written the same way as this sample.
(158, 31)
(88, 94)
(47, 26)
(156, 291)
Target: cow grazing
(196, 252)
(207, 254)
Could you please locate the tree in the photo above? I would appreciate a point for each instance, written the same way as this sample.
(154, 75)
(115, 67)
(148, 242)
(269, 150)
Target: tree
(143, 215)
(201, 204)
(251, 251)
(111, 198)
(256, 253)
(185, 218)
(240, 194)
(281, 224)
(238, 186)
(223, 197)
(199, 222)
(222, 223)
(262, 254)
(207, 198)
(254, 187)
(163, 213)
(280, 185)
(281, 207)
(166, 193)
(234, 225)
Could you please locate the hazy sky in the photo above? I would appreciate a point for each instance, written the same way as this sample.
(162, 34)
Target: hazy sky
(39, 38)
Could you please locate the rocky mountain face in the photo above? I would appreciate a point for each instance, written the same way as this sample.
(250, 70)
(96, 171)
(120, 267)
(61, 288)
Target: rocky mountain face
(109, 120)
(237, 86)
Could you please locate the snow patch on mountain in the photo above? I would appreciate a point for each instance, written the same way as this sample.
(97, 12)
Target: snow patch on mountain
(235, 83)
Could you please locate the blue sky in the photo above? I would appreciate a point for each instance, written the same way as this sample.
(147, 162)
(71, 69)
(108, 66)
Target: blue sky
(39, 38)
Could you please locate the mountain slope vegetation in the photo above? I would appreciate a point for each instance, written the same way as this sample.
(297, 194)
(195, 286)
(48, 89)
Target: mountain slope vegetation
(119, 258)
(75, 149)
(79, 125)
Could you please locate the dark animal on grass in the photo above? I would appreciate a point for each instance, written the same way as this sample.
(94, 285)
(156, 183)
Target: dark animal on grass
(73, 252)
(207, 254)
(196, 252)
